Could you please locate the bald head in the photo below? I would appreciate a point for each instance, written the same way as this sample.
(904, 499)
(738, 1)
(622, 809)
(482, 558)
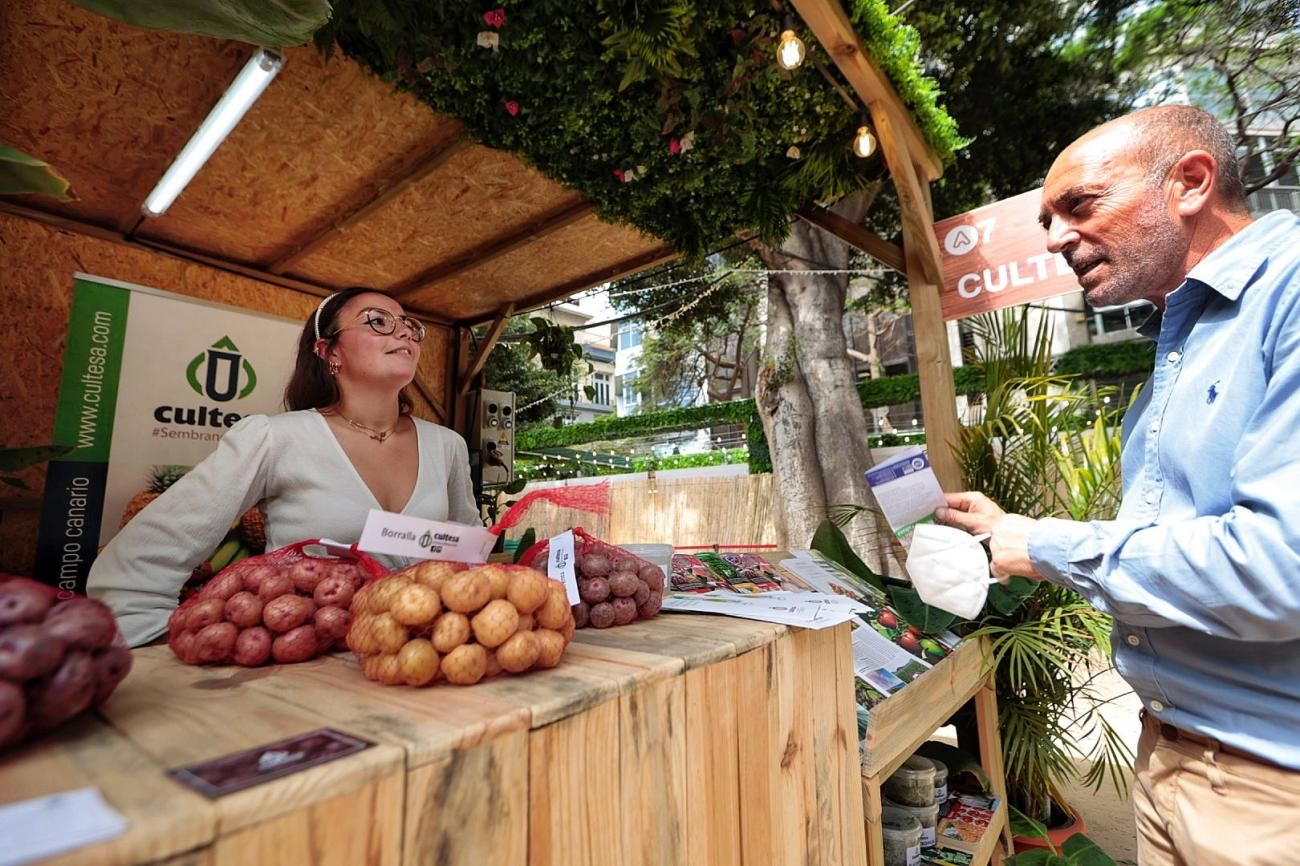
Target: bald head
(1157, 138)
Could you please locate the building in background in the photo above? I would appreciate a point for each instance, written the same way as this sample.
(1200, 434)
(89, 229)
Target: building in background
(577, 407)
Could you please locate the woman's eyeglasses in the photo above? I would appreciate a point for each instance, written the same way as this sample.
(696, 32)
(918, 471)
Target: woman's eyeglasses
(383, 322)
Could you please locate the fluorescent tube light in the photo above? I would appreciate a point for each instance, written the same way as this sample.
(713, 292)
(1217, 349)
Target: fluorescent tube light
(238, 98)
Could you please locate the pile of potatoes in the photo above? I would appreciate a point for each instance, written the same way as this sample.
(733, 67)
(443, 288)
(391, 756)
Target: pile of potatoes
(444, 621)
(57, 658)
(257, 610)
(616, 587)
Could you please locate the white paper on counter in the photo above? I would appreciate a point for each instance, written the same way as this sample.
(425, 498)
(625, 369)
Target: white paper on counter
(44, 826)
(814, 612)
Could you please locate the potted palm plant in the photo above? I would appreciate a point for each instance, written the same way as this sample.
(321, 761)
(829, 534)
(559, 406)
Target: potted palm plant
(1044, 445)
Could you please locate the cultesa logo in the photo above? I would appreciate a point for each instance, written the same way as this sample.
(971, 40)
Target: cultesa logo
(219, 373)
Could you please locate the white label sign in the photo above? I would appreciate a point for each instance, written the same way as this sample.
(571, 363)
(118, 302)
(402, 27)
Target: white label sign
(416, 538)
(560, 566)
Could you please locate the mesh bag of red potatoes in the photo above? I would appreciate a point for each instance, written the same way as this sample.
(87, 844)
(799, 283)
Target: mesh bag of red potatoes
(288, 605)
(616, 587)
(58, 658)
(447, 621)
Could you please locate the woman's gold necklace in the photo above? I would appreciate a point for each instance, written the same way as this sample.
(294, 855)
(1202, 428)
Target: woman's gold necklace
(377, 435)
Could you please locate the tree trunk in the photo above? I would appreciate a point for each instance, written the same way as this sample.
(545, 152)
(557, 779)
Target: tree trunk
(807, 397)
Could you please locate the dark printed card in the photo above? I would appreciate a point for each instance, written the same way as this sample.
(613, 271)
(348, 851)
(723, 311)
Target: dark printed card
(235, 772)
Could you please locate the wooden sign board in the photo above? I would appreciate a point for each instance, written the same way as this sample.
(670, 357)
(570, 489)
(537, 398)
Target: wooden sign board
(996, 256)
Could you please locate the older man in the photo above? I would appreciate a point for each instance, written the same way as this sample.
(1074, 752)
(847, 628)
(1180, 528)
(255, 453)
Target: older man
(1201, 568)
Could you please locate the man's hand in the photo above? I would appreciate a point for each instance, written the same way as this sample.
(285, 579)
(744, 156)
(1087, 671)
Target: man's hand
(1008, 533)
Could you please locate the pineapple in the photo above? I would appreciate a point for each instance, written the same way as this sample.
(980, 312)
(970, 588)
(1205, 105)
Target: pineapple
(160, 478)
(252, 529)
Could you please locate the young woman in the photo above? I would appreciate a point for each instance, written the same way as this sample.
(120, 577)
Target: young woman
(347, 445)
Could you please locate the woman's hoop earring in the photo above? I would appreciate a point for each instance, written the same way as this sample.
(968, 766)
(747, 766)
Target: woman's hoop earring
(334, 366)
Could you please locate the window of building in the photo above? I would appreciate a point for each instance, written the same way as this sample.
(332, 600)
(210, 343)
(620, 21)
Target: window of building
(630, 336)
(1108, 320)
(600, 381)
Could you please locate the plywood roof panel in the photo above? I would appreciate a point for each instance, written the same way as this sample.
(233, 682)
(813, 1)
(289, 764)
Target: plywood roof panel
(318, 144)
(331, 178)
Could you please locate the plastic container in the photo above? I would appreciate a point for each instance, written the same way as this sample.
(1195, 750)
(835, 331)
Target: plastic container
(660, 554)
(913, 783)
(940, 781)
(902, 839)
(927, 815)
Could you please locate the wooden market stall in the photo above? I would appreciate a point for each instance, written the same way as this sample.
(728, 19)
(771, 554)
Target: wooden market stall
(686, 739)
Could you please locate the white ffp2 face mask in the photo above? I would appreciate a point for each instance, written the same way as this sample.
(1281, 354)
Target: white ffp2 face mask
(949, 568)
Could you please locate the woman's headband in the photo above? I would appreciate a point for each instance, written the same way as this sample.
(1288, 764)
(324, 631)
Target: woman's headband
(316, 318)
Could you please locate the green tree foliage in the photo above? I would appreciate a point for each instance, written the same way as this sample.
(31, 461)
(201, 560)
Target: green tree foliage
(1235, 58)
(510, 367)
(670, 115)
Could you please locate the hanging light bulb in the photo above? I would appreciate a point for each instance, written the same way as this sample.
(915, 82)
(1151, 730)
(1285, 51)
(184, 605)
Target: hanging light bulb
(864, 142)
(791, 51)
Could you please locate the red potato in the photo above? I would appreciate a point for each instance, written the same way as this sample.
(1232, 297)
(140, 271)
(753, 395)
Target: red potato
(623, 583)
(244, 609)
(224, 585)
(204, 613)
(67, 693)
(85, 623)
(655, 581)
(594, 590)
(581, 614)
(594, 565)
(651, 605)
(216, 642)
(649, 572)
(254, 575)
(24, 600)
(13, 713)
(624, 562)
(27, 652)
(111, 667)
(624, 611)
(642, 593)
(274, 586)
(331, 623)
(297, 645)
(183, 645)
(305, 575)
(336, 589)
(252, 647)
(602, 615)
(287, 612)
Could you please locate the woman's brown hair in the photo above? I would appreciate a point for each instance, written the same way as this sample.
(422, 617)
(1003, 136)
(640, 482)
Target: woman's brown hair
(311, 386)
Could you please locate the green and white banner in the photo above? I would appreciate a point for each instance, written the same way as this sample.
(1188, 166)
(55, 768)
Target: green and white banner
(150, 380)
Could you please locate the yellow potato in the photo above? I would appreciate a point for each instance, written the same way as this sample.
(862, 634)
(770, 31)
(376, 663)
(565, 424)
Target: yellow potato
(416, 604)
(498, 577)
(527, 590)
(493, 666)
(386, 590)
(450, 631)
(520, 652)
(555, 610)
(419, 662)
(383, 668)
(361, 635)
(550, 648)
(388, 633)
(466, 592)
(465, 665)
(435, 574)
(495, 622)
(526, 623)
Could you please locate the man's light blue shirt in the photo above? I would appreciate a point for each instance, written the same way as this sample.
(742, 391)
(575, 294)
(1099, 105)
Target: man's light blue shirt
(1201, 568)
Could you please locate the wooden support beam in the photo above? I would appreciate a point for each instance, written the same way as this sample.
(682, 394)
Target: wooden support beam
(519, 236)
(830, 24)
(860, 237)
(434, 403)
(485, 349)
(625, 268)
(385, 192)
(924, 281)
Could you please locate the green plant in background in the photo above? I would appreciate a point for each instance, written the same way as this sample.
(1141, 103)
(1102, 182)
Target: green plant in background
(21, 173)
(18, 459)
(1078, 850)
(1044, 447)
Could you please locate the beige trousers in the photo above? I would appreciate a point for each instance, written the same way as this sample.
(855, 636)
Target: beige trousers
(1198, 806)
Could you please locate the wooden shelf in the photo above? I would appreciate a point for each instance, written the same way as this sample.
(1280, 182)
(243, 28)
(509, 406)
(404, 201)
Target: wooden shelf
(906, 719)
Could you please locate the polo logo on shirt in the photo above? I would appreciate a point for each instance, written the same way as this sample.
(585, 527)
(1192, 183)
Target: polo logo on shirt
(1213, 393)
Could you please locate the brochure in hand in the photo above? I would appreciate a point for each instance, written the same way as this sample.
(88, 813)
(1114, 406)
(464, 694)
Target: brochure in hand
(906, 489)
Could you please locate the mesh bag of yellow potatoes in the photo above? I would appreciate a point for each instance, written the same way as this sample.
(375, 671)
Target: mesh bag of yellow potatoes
(448, 622)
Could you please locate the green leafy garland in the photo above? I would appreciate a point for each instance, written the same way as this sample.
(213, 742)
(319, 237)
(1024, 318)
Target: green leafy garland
(672, 116)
